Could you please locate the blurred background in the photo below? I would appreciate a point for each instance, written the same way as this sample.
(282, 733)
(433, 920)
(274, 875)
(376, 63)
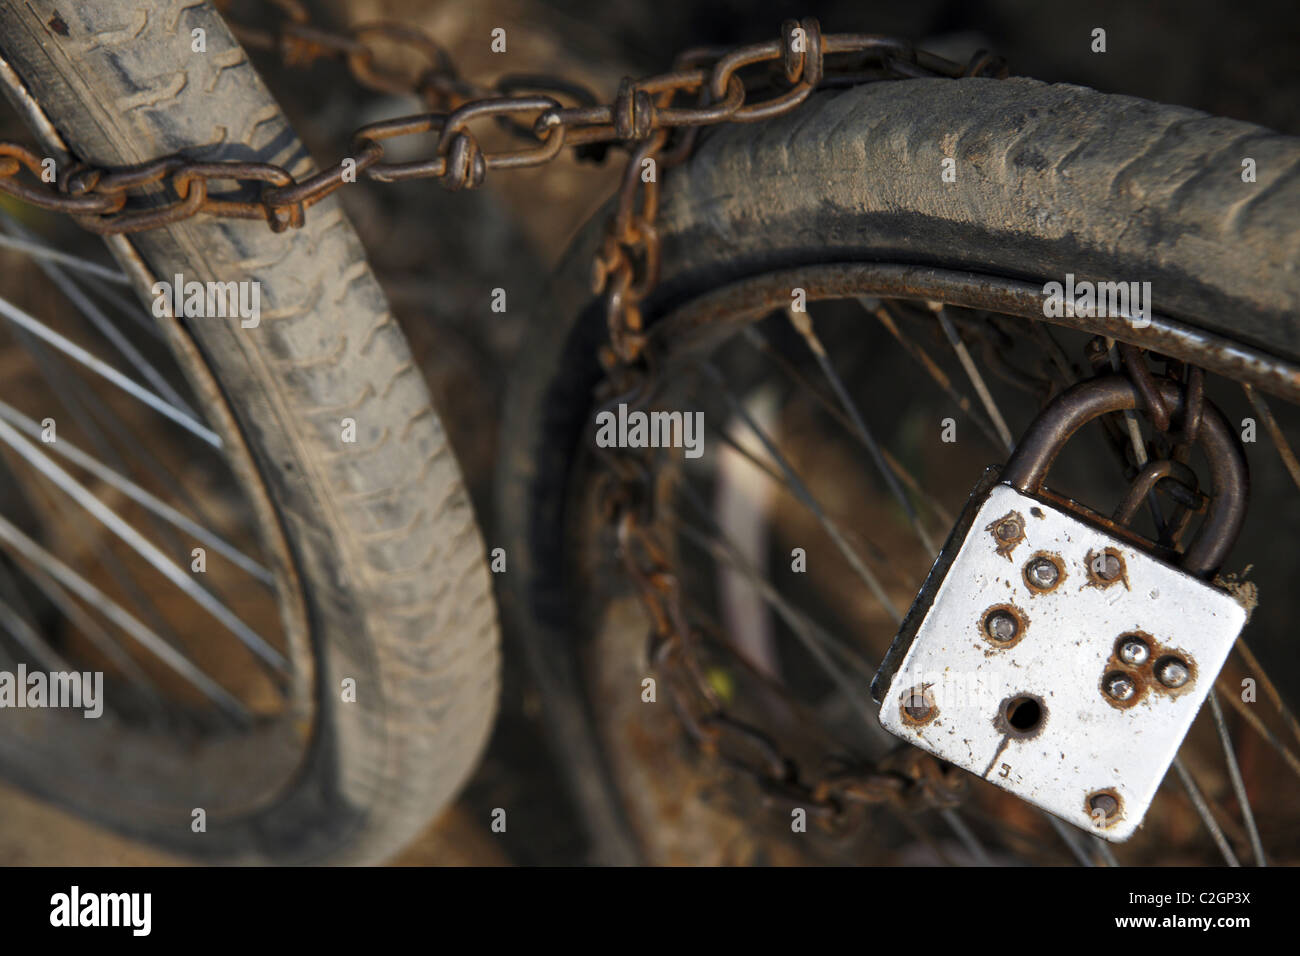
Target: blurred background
(439, 255)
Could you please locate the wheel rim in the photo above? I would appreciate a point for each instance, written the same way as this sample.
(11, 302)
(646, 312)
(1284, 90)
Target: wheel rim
(705, 320)
(190, 721)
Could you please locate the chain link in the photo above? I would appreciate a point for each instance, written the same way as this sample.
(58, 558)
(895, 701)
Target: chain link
(908, 778)
(547, 113)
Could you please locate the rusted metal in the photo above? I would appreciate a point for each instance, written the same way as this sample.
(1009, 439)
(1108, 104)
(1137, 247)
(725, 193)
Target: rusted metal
(995, 631)
(1008, 531)
(1133, 667)
(704, 88)
(712, 316)
(1090, 399)
(917, 706)
(1140, 374)
(720, 313)
(1106, 568)
(1022, 716)
(1044, 572)
(1181, 485)
(268, 524)
(1174, 478)
(1104, 807)
(1145, 670)
(915, 781)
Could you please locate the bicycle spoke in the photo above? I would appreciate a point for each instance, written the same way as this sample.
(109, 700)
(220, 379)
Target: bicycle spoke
(779, 480)
(67, 284)
(91, 629)
(812, 637)
(923, 836)
(1258, 726)
(108, 330)
(40, 252)
(806, 497)
(20, 621)
(976, 379)
(173, 659)
(125, 306)
(967, 836)
(1043, 333)
(756, 339)
(106, 516)
(1275, 432)
(1203, 809)
(1068, 839)
(883, 311)
(73, 395)
(1104, 850)
(137, 494)
(802, 321)
(26, 637)
(107, 372)
(1238, 785)
(1270, 688)
(839, 659)
(721, 547)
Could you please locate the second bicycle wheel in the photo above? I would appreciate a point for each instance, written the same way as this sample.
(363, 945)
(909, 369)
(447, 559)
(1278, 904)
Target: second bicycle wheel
(941, 287)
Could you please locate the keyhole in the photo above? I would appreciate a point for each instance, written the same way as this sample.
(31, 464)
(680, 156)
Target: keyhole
(1023, 716)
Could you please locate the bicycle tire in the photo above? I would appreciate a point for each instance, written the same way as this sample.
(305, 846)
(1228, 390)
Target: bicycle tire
(382, 532)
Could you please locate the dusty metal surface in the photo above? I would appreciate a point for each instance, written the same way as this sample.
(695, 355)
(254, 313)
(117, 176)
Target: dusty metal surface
(1048, 715)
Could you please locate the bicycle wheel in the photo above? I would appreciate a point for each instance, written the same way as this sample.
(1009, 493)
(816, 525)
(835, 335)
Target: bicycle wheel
(846, 199)
(332, 727)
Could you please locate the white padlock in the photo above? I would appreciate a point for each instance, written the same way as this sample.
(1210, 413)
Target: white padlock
(1049, 652)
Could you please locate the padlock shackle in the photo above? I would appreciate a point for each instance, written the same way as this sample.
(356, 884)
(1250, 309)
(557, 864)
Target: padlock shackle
(1075, 407)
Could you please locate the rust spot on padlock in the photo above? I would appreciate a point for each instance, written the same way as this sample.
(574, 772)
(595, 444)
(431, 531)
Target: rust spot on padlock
(1106, 567)
(1003, 625)
(917, 706)
(1044, 572)
(1104, 808)
(1139, 663)
(1127, 674)
(1174, 672)
(1008, 531)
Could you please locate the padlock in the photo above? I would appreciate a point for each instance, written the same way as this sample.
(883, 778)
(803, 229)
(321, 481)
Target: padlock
(1050, 651)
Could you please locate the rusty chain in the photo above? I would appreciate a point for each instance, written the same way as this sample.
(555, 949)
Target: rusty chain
(704, 88)
(908, 778)
(656, 119)
(625, 271)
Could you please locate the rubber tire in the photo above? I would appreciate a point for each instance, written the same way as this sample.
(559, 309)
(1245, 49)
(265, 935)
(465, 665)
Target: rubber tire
(382, 531)
(1050, 179)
